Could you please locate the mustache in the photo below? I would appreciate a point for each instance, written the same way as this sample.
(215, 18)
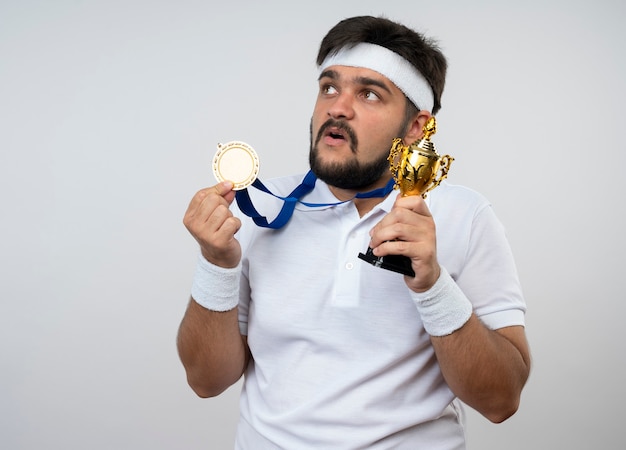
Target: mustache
(342, 126)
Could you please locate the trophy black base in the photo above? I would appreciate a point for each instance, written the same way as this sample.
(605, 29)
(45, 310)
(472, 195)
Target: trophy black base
(396, 263)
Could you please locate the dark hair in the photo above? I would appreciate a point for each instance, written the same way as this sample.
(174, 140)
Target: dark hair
(419, 50)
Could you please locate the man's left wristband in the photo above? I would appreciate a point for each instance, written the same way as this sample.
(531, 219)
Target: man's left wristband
(215, 288)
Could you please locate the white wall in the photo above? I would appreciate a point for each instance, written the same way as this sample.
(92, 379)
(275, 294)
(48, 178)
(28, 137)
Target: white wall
(110, 112)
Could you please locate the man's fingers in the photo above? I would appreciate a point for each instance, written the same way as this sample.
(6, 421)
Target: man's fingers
(414, 203)
(223, 188)
(409, 221)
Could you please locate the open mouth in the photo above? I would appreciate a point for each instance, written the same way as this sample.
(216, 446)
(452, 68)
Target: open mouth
(336, 133)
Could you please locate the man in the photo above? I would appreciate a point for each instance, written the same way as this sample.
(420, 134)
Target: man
(337, 353)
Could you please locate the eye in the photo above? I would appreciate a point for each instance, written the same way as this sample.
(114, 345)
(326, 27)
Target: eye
(328, 89)
(371, 95)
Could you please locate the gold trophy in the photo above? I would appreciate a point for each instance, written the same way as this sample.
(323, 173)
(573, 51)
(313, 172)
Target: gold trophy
(417, 170)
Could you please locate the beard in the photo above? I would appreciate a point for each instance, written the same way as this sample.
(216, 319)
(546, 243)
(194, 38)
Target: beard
(350, 174)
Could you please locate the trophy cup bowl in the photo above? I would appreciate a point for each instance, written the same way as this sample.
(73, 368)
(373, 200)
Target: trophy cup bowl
(417, 169)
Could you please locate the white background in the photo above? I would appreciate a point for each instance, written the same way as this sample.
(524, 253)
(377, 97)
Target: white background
(110, 112)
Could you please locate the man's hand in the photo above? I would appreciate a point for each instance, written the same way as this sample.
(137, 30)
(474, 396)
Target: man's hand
(210, 221)
(409, 230)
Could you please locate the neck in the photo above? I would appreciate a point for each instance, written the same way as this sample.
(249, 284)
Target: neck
(363, 205)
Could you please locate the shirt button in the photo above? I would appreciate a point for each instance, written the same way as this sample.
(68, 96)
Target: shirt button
(349, 266)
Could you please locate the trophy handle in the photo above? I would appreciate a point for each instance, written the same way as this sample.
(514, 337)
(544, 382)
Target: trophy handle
(444, 166)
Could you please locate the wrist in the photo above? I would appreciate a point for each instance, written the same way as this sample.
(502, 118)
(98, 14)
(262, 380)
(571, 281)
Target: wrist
(444, 308)
(215, 288)
(220, 261)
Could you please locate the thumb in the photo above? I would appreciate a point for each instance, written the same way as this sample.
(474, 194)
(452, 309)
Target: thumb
(225, 190)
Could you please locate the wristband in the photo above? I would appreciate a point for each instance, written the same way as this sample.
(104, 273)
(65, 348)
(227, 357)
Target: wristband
(444, 308)
(215, 288)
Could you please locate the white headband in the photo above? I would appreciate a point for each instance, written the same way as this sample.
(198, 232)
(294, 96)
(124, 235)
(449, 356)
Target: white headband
(393, 66)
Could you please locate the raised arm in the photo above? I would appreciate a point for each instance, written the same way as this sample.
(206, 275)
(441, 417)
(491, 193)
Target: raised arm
(211, 348)
(485, 368)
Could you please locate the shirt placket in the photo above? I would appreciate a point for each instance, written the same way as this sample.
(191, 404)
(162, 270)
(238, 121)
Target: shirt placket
(354, 239)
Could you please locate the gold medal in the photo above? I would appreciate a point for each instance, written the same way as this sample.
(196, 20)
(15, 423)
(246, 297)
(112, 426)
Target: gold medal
(236, 162)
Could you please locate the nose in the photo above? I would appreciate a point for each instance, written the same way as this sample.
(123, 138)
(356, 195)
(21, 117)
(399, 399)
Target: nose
(342, 107)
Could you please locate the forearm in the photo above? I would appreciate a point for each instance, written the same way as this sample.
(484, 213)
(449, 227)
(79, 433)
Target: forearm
(211, 349)
(486, 369)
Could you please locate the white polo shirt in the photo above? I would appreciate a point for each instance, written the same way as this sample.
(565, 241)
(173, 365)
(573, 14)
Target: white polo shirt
(340, 357)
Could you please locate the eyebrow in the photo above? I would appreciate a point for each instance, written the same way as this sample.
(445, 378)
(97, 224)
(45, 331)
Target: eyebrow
(363, 81)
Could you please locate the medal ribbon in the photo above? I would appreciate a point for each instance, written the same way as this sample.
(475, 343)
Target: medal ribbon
(307, 185)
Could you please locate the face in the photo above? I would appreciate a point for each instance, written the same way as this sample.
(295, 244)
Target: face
(357, 114)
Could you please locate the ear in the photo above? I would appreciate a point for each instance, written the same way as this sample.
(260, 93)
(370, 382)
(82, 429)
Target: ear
(416, 128)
